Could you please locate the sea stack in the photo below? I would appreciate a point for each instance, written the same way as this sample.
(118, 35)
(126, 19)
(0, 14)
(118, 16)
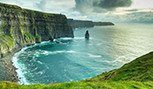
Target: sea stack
(87, 35)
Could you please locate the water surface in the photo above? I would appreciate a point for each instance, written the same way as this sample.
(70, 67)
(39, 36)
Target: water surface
(71, 59)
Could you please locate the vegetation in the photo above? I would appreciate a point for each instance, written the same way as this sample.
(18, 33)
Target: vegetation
(137, 74)
(82, 85)
(6, 40)
(29, 38)
(38, 38)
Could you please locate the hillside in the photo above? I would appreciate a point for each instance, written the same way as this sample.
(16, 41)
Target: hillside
(137, 74)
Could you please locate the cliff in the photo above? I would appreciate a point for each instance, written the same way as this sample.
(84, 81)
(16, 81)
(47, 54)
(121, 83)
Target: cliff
(86, 24)
(103, 23)
(80, 23)
(21, 27)
(137, 74)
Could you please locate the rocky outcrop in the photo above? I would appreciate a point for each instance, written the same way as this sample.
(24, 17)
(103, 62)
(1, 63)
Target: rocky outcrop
(87, 35)
(86, 24)
(21, 27)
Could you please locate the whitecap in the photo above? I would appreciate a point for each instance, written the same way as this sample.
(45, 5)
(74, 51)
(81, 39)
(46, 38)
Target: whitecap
(79, 38)
(57, 52)
(125, 58)
(21, 67)
(39, 62)
(40, 72)
(94, 56)
(46, 66)
(66, 38)
(71, 52)
(34, 69)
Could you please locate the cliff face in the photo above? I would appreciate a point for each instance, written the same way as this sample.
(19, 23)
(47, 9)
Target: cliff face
(84, 23)
(80, 23)
(20, 27)
(103, 23)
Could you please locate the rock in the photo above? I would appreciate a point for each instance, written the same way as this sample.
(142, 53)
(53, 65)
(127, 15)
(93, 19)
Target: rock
(87, 35)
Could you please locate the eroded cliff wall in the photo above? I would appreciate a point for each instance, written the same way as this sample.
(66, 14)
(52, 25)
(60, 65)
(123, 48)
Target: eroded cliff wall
(21, 27)
(87, 23)
(80, 23)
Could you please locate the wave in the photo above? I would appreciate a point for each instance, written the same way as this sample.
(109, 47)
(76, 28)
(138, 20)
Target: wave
(81, 38)
(40, 72)
(34, 69)
(66, 38)
(56, 52)
(21, 67)
(125, 59)
(39, 62)
(69, 38)
(94, 56)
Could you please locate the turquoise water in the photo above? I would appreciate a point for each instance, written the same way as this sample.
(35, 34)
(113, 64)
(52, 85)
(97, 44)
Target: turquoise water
(71, 59)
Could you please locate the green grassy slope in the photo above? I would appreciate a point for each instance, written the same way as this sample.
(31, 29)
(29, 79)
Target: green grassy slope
(82, 85)
(137, 74)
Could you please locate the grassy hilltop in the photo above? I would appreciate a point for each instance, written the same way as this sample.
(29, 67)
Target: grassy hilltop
(137, 74)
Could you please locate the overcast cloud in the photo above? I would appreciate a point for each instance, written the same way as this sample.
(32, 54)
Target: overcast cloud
(100, 6)
(96, 10)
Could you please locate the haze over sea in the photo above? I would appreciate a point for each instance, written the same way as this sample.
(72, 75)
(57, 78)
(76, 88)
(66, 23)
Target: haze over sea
(71, 59)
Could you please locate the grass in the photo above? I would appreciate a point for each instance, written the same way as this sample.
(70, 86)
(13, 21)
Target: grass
(137, 74)
(6, 40)
(82, 85)
(29, 38)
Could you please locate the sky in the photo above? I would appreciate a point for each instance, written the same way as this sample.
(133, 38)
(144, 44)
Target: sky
(119, 11)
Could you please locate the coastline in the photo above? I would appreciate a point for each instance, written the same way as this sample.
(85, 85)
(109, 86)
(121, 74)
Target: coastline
(7, 69)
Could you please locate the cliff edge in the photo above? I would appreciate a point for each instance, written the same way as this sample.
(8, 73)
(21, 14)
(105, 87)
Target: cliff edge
(21, 27)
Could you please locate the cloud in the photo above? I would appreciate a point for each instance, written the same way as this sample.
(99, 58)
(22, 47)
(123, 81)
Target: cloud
(96, 10)
(100, 6)
(41, 5)
(133, 17)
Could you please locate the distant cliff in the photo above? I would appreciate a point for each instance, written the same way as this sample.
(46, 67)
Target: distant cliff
(80, 23)
(84, 23)
(103, 23)
(21, 27)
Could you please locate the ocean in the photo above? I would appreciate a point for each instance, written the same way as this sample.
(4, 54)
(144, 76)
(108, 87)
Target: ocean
(76, 59)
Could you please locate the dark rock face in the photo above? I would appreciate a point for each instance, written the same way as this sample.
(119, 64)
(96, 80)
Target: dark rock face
(87, 35)
(21, 27)
(86, 24)
(80, 23)
(103, 23)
